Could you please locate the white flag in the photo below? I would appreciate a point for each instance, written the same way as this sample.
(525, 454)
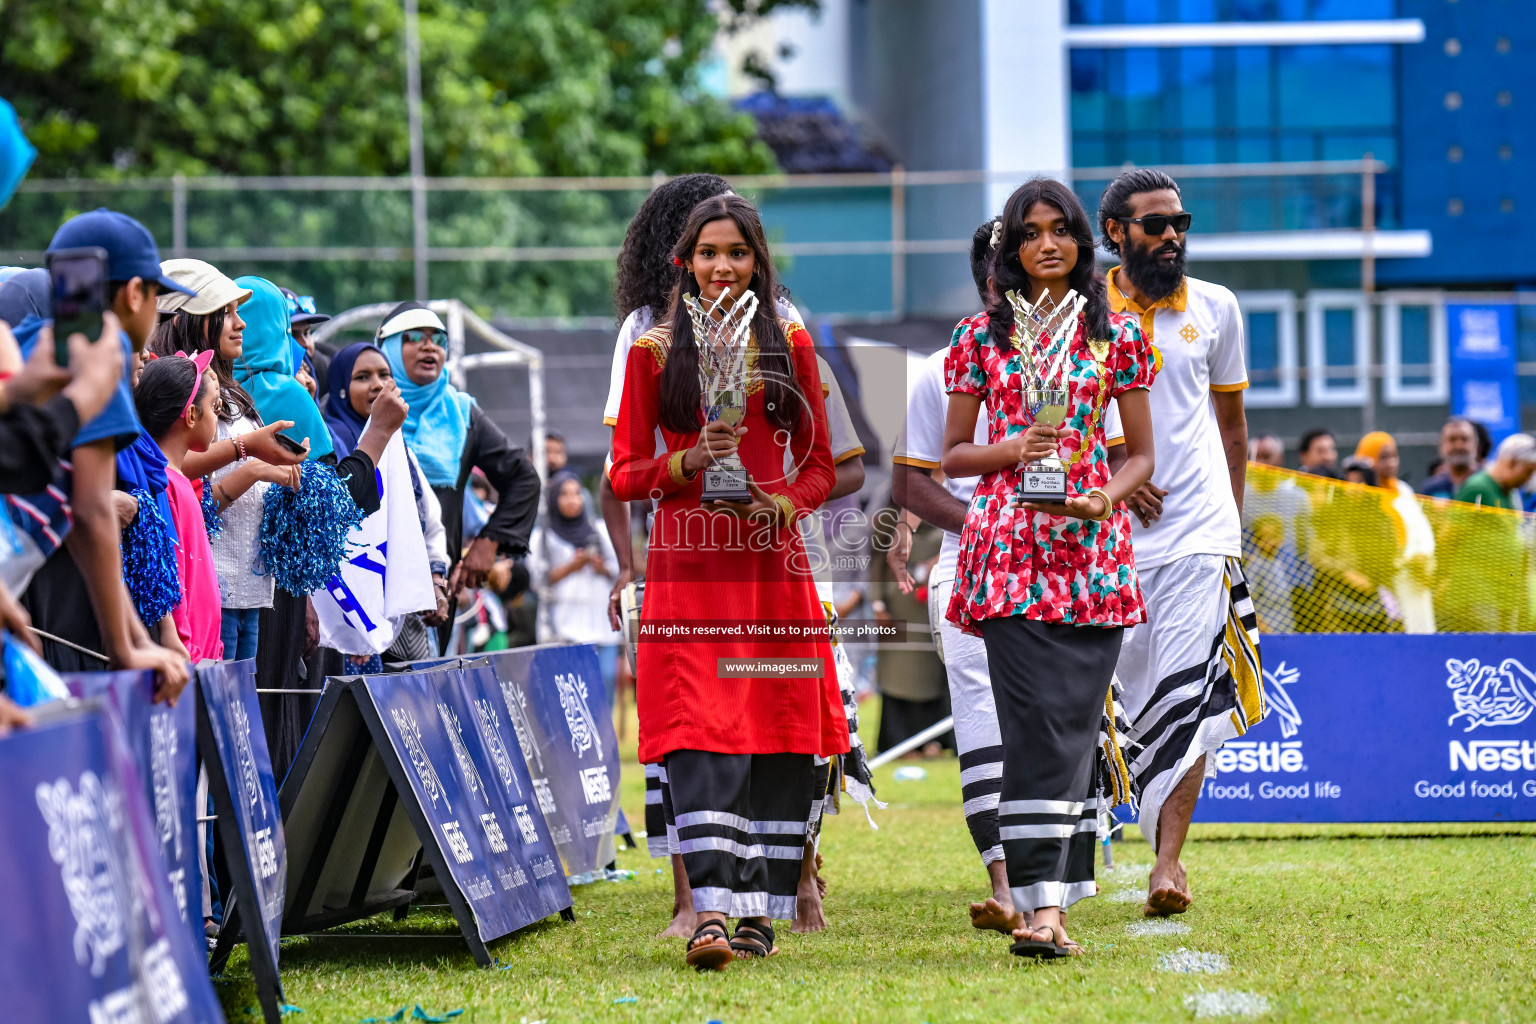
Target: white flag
(386, 575)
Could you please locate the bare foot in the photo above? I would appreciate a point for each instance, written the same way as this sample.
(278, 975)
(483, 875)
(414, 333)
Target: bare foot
(684, 921)
(821, 883)
(1167, 892)
(992, 914)
(809, 916)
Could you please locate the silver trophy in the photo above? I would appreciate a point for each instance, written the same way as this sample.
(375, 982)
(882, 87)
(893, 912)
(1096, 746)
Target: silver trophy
(1042, 335)
(721, 330)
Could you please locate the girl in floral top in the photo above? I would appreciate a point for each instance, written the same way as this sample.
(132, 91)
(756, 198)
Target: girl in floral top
(1048, 587)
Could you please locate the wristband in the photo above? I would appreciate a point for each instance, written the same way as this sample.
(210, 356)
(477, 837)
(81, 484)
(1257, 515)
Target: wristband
(675, 469)
(1109, 506)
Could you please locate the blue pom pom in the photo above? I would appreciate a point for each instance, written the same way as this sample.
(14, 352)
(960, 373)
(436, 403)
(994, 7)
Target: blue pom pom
(212, 521)
(149, 561)
(304, 533)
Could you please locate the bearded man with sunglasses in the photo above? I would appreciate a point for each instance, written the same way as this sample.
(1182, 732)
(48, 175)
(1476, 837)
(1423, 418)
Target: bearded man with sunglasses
(1190, 673)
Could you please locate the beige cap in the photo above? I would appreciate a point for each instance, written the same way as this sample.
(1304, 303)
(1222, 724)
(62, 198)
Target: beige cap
(214, 290)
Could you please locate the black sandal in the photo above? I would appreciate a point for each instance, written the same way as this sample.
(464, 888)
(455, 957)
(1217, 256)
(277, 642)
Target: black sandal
(756, 944)
(714, 955)
(1038, 949)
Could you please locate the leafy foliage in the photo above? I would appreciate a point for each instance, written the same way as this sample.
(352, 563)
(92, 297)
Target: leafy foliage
(127, 88)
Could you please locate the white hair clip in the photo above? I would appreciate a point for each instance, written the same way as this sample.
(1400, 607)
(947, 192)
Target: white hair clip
(997, 232)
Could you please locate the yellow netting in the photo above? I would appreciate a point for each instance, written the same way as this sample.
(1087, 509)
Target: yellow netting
(1322, 556)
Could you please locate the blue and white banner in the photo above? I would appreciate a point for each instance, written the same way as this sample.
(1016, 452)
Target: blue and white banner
(1369, 727)
(387, 575)
(89, 928)
(1482, 357)
(555, 698)
(465, 772)
(163, 741)
(229, 694)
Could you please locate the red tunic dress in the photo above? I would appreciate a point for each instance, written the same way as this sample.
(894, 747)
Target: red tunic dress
(718, 576)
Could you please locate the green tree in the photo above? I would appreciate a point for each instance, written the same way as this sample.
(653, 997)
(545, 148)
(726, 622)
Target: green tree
(118, 90)
(510, 87)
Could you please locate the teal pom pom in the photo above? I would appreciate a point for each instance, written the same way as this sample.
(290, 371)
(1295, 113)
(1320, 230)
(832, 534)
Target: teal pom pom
(149, 561)
(212, 521)
(304, 534)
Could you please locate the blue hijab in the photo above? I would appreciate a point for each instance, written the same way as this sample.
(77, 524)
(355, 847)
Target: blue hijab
(438, 421)
(265, 369)
(346, 425)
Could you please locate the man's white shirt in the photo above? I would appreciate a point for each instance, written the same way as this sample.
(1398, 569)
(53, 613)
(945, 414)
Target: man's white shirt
(1201, 348)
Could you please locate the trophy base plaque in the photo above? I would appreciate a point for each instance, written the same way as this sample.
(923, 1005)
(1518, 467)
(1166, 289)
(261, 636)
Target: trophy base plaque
(728, 483)
(1042, 483)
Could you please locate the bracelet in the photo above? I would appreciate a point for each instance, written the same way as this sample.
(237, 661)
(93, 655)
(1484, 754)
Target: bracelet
(675, 469)
(1109, 506)
(786, 508)
(239, 447)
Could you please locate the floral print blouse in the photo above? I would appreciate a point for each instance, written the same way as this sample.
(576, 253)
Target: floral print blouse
(1048, 568)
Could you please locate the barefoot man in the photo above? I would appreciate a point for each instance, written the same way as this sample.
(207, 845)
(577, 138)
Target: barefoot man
(1191, 672)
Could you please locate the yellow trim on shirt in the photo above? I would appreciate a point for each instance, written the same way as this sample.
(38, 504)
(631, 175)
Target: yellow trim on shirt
(1114, 441)
(1239, 386)
(610, 421)
(1121, 303)
(851, 453)
(907, 460)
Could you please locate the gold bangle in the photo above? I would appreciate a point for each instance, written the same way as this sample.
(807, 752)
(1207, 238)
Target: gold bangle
(1109, 506)
(675, 469)
(786, 508)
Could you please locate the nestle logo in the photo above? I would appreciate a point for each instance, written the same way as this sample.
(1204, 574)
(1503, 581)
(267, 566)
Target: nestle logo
(1494, 755)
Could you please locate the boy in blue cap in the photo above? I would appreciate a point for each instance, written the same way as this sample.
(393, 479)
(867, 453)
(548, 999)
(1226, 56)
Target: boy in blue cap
(91, 564)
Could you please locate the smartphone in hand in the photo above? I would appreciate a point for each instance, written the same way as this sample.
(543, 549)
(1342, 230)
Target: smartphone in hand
(77, 296)
(290, 444)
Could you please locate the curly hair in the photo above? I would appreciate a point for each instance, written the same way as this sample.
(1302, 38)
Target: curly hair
(646, 275)
(680, 408)
(1115, 204)
(192, 333)
(1008, 274)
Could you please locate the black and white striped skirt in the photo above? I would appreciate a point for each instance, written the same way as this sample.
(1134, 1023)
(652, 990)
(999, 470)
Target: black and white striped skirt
(740, 822)
(1049, 681)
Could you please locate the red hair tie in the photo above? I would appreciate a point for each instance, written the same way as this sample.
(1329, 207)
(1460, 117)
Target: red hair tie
(677, 261)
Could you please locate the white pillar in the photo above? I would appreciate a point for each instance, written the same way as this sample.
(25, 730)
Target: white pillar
(1026, 123)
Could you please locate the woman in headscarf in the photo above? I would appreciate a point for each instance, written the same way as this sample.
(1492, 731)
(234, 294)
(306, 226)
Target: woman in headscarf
(1415, 538)
(450, 436)
(265, 370)
(573, 564)
(358, 375)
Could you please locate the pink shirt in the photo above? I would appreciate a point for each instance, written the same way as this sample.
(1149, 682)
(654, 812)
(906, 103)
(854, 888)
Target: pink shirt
(198, 617)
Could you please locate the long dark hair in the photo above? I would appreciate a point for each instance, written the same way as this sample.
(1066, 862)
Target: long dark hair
(193, 333)
(162, 393)
(680, 407)
(1009, 275)
(646, 275)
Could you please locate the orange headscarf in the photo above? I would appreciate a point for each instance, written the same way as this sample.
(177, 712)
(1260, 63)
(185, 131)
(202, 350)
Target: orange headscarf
(1370, 447)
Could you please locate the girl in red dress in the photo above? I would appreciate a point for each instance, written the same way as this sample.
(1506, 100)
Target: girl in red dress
(727, 586)
(1050, 588)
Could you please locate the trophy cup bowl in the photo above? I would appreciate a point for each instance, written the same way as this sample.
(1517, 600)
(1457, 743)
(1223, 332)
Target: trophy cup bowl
(726, 479)
(1046, 479)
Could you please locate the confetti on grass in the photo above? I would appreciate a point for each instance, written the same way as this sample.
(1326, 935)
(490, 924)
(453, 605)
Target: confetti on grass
(1225, 1003)
(1141, 929)
(1128, 896)
(1189, 961)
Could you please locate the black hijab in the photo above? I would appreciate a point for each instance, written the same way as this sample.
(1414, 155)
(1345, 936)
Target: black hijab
(576, 530)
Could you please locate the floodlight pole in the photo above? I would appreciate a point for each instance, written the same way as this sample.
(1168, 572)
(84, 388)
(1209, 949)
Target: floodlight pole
(418, 156)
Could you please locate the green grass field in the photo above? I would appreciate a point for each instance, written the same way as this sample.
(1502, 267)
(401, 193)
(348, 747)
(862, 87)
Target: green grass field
(1325, 923)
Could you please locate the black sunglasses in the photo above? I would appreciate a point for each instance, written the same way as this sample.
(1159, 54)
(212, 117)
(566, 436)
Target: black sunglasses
(1157, 223)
